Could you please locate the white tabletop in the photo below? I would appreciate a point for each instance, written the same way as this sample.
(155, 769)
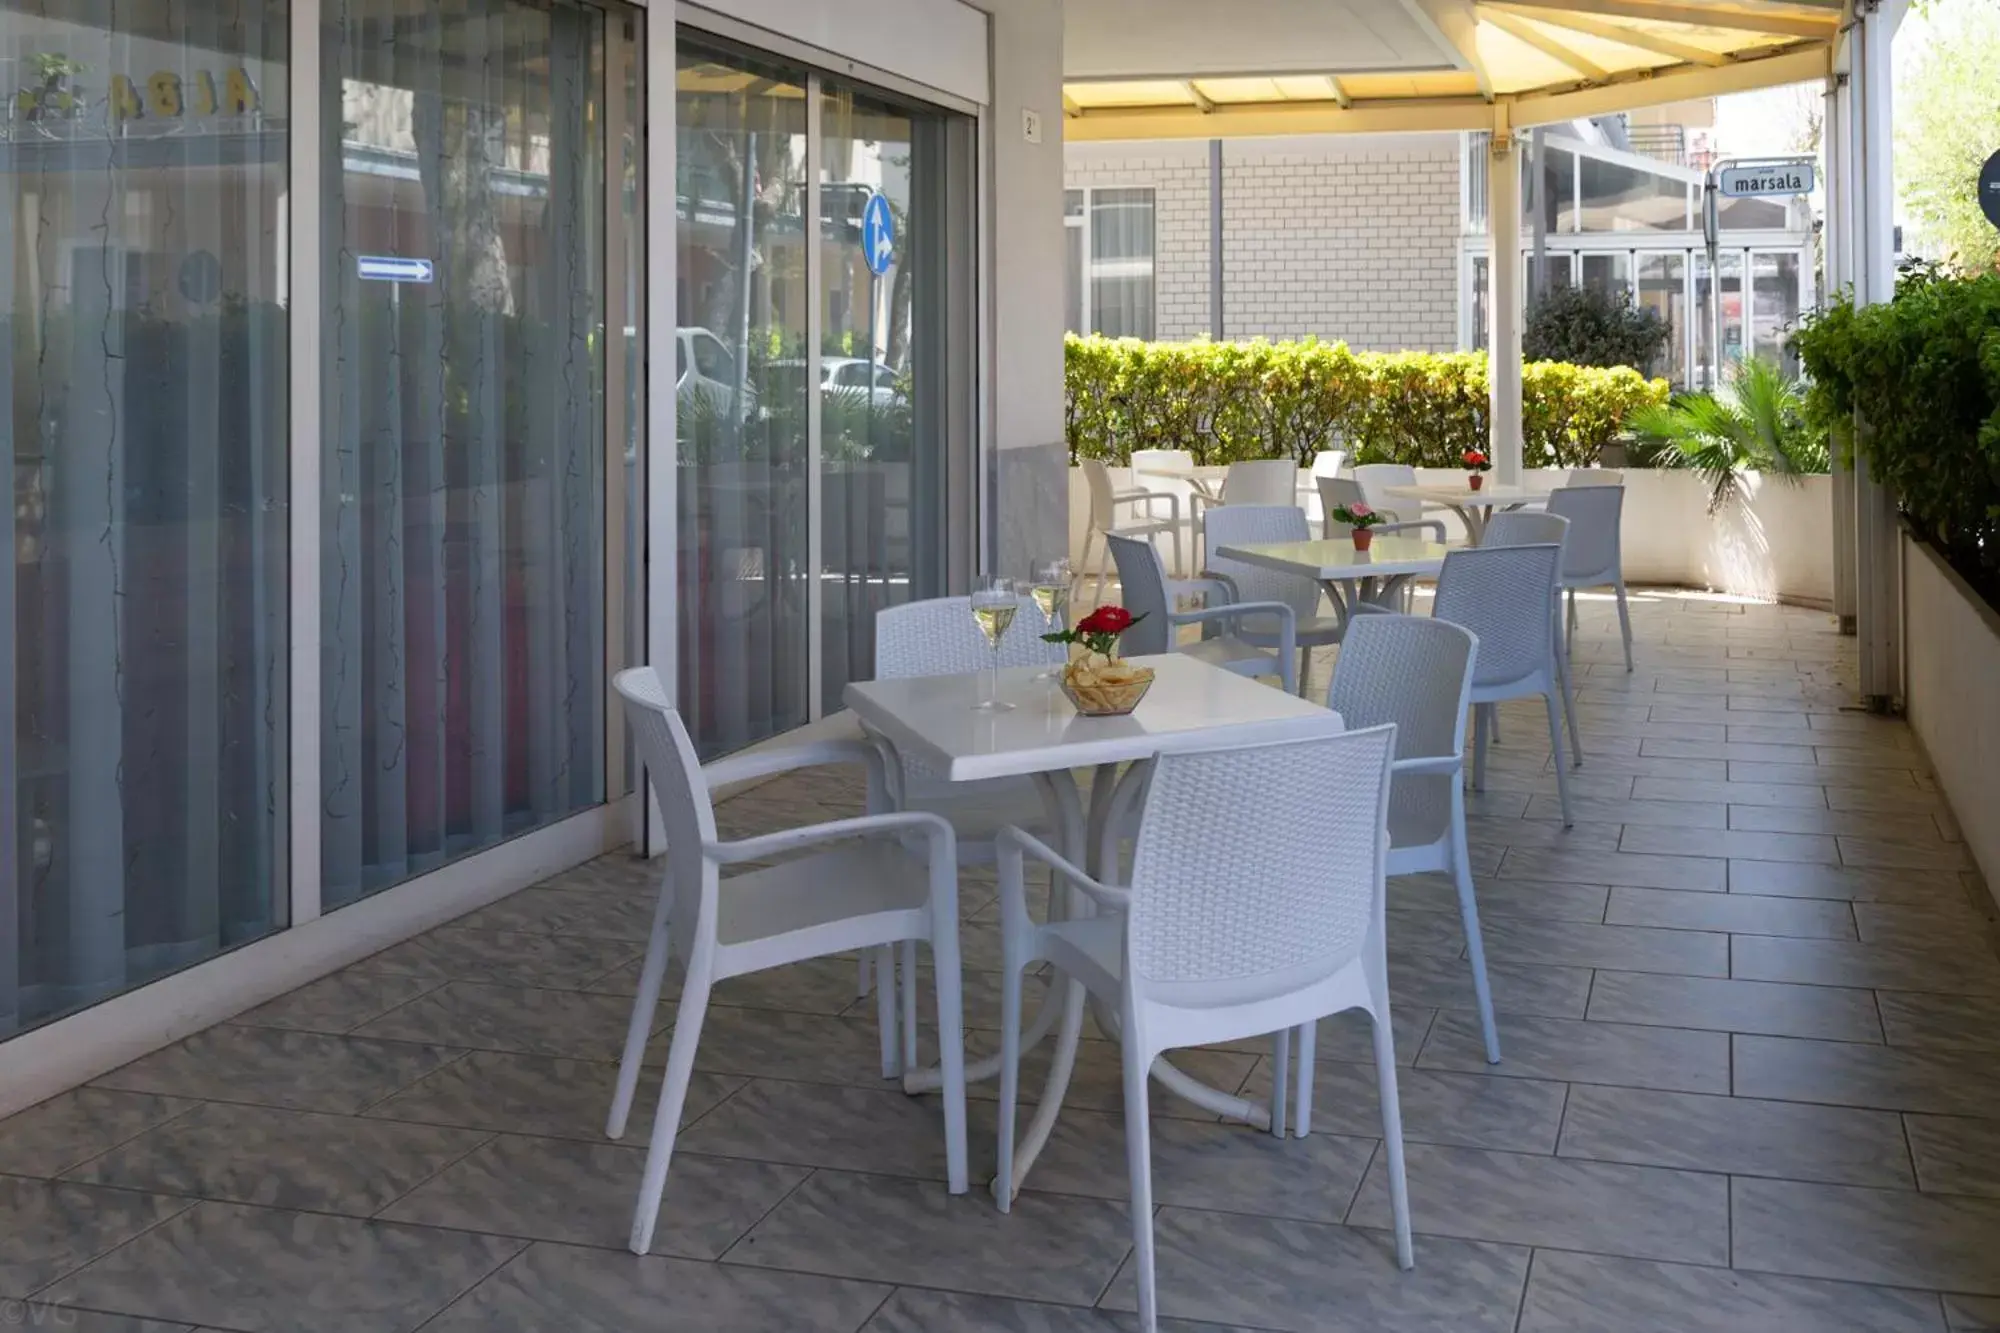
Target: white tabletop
(1465, 497)
(1336, 558)
(1191, 704)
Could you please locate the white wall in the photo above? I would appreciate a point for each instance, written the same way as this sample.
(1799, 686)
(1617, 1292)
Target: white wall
(1951, 660)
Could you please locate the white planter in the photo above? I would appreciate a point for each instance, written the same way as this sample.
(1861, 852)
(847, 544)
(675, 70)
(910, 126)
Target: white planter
(1951, 646)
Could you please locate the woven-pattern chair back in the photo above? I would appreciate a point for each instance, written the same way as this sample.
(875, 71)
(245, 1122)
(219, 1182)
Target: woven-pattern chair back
(1142, 587)
(1338, 493)
(1259, 525)
(1097, 479)
(1595, 476)
(678, 786)
(1415, 673)
(1261, 481)
(938, 637)
(1525, 527)
(1592, 545)
(1377, 478)
(1506, 596)
(1258, 868)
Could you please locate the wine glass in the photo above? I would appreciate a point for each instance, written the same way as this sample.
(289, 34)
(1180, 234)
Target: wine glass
(1050, 590)
(994, 603)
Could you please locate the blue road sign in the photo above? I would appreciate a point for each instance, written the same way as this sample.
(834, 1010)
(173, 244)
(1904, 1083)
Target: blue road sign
(878, 235)
(392, 268)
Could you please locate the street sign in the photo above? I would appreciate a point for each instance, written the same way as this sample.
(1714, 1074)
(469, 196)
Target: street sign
(1989, 189)
(392, 268)
(878, 235)
(1764, 180)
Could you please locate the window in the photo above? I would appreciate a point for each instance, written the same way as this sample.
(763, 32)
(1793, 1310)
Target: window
(1610, 273)
(1109, 261)
(1663, 288)
(1618, 196)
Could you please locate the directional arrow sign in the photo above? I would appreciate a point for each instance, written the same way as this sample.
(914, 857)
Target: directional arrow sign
(392, 268)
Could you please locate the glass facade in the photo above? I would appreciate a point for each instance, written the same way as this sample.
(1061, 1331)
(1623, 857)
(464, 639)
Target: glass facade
(1110, 261)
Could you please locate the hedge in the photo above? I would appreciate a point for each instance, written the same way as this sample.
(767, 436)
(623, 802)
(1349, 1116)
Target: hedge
(1229, 401)
(1923, 371)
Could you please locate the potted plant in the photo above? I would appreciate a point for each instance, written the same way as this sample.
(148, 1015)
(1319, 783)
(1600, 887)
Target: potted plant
(1476, 467)
(1359, 518)
(1097, 680)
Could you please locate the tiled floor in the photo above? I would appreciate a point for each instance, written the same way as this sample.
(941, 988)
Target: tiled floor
(1751, 1017)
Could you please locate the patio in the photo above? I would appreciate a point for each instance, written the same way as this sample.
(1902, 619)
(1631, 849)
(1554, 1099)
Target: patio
(1749, 1008)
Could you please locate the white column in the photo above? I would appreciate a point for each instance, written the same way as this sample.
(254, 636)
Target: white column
(1503, 293)
(1840, 274)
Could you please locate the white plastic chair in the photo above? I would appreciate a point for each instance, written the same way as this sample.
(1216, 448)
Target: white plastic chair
(893, 877)
(1105, 502)
(1254, 525)
(1326, 463)
(1417, 674)
(1151, 594)
(1377, 478)
(1506, 595)
(1261, 481)
(1345, 493)
(1255, 906)
(1593, 554)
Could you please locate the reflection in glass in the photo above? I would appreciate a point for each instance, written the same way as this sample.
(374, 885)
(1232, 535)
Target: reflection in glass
(1609, 273)
(462, 610)
(1555, 200)
(1663, 288)
(1617, 196)
(1121, 262)
(742, 396)
(143, 364)
(1774, 293)
(1732, 314)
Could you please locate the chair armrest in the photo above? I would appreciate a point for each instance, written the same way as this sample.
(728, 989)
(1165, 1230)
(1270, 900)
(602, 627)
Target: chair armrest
(1441, 763)
(1228, 584)
(1147, 498)
(1288, 629)
(1434, 524)
(936, 829)
(1374, 609)
(1016, 844)
(783, 759)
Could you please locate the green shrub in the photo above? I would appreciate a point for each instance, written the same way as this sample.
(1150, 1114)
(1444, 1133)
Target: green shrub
(1923, 374)
(1586, 326)
(1228, 401)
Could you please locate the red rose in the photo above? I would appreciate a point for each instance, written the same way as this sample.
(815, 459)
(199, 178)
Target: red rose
(1106, 620)
(1474, 457)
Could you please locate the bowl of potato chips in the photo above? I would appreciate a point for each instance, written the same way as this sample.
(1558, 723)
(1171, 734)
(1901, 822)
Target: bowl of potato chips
(1105, 687)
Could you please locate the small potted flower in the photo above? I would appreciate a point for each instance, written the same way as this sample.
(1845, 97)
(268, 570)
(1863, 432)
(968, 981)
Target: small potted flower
(1476, 467)
(1097, 680)
(1359, 518)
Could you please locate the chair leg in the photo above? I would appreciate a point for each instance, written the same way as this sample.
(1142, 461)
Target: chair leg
(673, 1099)
(951, 1048)
(909, 996)
(1281, 1078)
(1556, 750)
(1010, 1083)
(1479, 716)
(1392, 1131)
(1139, 1165)
(1569, 715)
(1103, 561)
(1468, 912)
(1569, 623)
(1302, 1112)
(1305, 669)
(885, 1009)
(1625, 623)
(861, 978)
(1174, 535)
(645, 1008)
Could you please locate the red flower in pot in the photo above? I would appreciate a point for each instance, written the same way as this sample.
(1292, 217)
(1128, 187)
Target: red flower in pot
(1476, 464)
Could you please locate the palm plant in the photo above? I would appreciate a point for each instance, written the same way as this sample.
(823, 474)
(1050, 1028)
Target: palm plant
(1757, 423)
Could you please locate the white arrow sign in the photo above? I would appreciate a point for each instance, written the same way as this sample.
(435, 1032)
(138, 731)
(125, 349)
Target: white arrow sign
(392, 268)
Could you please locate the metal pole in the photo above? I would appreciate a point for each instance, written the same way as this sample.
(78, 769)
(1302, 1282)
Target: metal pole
(1537, 172)
(1215, 239)
(1711, 225)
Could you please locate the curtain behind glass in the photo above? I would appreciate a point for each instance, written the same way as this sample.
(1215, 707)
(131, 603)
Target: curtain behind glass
(1121, 262)
(143, 363)
(462, 608)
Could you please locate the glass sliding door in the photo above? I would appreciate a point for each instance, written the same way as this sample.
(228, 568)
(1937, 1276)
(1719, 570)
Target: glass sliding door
(143, 364)
(463, 520)
(1774, 305)
(1663, 290)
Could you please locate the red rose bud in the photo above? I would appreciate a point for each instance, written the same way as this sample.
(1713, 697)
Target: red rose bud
(1106, 620)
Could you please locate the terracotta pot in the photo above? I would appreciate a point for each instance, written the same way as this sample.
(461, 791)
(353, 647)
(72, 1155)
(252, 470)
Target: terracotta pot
(1363, 536)
(1475, 479)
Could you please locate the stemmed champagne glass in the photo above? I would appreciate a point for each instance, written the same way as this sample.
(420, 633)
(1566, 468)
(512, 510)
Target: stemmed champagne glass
(1051, 593)
(994, 603)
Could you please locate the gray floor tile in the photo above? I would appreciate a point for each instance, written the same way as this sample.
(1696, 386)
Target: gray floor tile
(881, 1229)
(1738, 844)
(1667, 814)
(1703, 874)
(1495, 835)
(1944, 1242)
(1963, 1022)
(1967, 969)
(880, 1130)
(1622, 1054)
(47, 1314)
(913, 1310)
(1956, 1154)
(609, 914)
(1768, 1007)
(270, 1271)
(1528, 1199)
(560, 1287)
(770, 1043)
(1754, 751)
(532, 1094)
(1947, 1082)
(48, 1229)
(1732, 793)
(1904, 853)
(1310, 1278)
(1806, 819)
(48, 1139)
(524, 1019)
(281, 1159)
(1586, 944)
(1816, 775)
(1892, 797)
(1446, 983)
(1737, 1135)
(1790, 880)
(1736, 913)
(1098, 1080)
(1201, 1164)
(339, 1003)
(1466, 1110)
(306, 1071)
(583, 1193)
(511, 957)
(1972, 1314)
(1588, 1293)
(1504, 897)
(1945, 921)
(1437, 933)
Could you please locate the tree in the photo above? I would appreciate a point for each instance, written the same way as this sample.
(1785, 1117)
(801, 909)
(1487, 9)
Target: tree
(1588, 327)
(1948, 122)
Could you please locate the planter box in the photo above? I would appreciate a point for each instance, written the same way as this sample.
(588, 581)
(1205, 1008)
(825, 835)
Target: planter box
(1951, 650)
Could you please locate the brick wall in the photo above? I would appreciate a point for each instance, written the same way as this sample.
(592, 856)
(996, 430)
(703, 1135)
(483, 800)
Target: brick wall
(1340, 237)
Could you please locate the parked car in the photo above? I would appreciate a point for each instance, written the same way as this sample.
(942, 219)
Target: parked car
(705, 368)
(837, 374)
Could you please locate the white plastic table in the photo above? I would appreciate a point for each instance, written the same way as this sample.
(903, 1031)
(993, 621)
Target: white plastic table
(1472, 507)
(1349, 576)
(932, 718)
(1206, 482)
